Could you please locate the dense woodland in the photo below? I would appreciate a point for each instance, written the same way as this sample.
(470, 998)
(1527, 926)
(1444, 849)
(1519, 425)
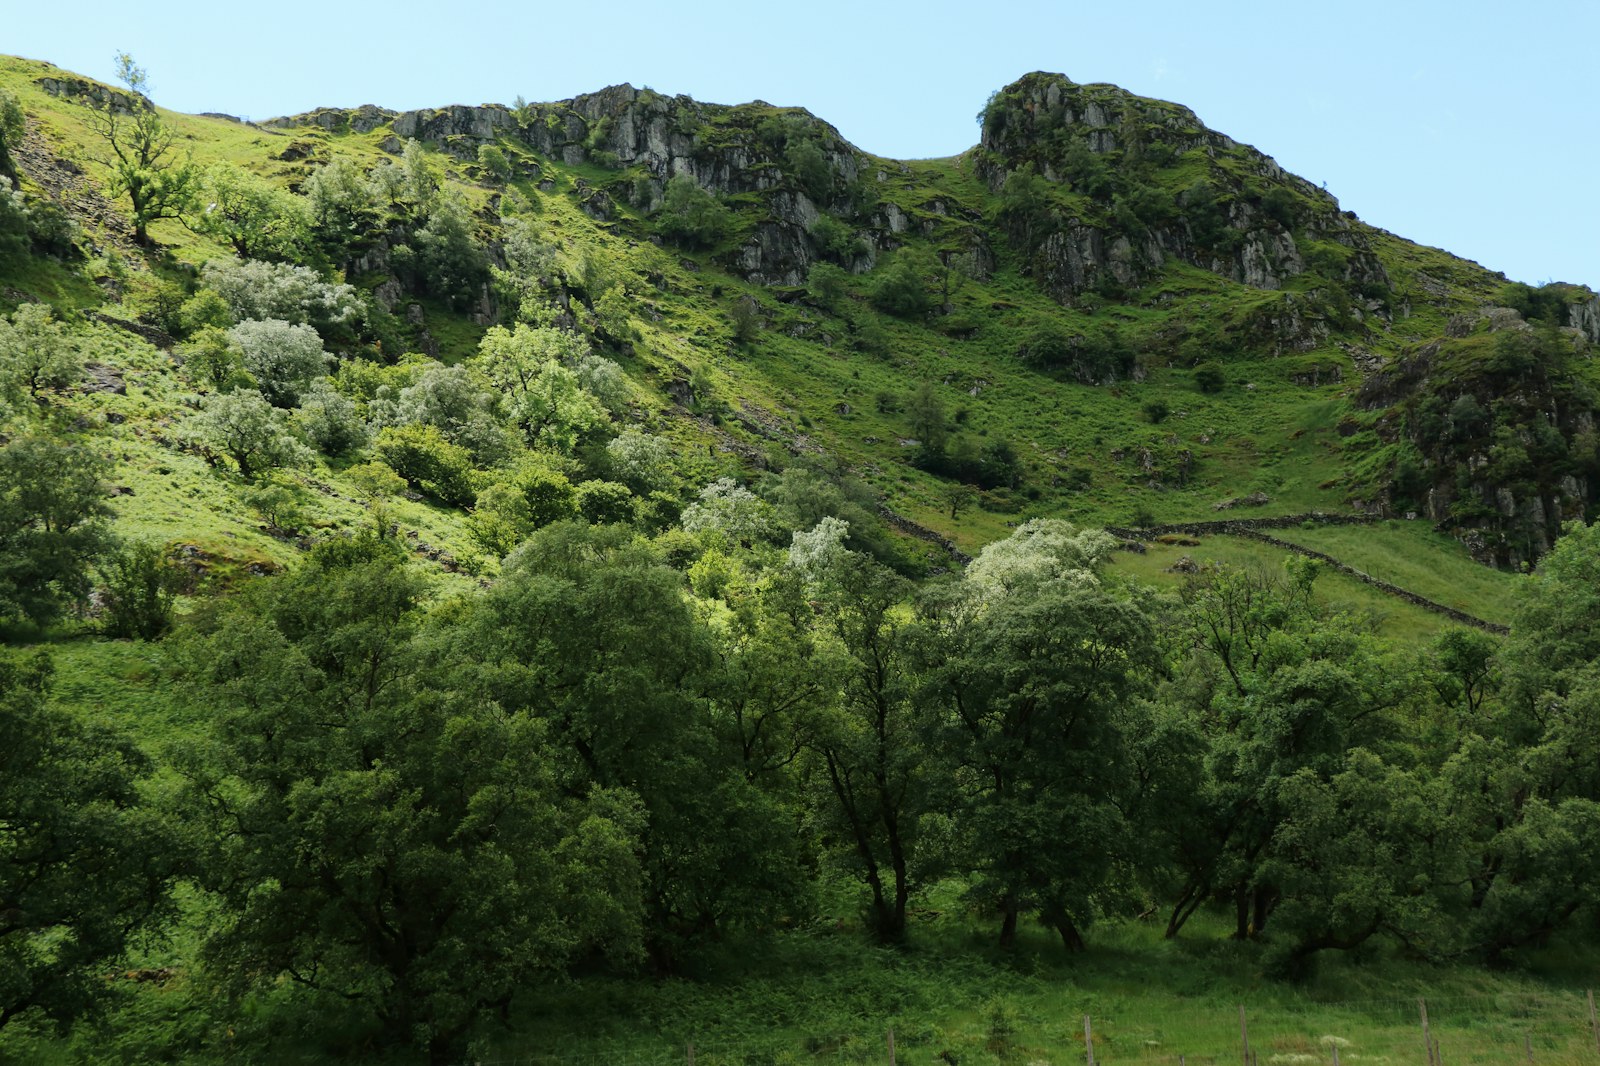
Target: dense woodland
(668, 692)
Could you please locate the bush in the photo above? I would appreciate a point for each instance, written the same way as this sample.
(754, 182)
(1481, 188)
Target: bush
(329, 421)
(254, 289)
(244, 427)
(691, 216)
(603, 503)
(1208, 377)
(283, 358)
(138, 589)
(901, 290)
(427, 461)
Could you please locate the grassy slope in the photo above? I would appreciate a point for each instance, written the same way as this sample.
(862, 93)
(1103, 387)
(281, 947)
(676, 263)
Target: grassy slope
(1277, 437)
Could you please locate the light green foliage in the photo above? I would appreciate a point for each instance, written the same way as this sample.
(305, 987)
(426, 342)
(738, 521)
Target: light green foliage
(38, 355)
(604, 503)
(641, 461)
(52, 526)
(283, 358)
(256, 289)
(556, 413)
(818, 554)
(691, 216)
(83, 863)
(256, 217)
(244, 427)
(1042, 552)
(452, 400)
(145, 165)
(341, 205)
(212, 360)
(329, 420)
(727, 508)
(496, 167)
(508, 512)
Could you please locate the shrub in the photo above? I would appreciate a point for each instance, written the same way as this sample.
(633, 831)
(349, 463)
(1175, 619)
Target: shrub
(1208, 377)
(604, 503)
(138, 589)
(296, 294)
(429, 462)
(691, 216)
(284, 358)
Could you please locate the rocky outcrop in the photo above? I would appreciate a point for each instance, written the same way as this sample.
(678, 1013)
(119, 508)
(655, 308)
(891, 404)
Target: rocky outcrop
(363, 119)
(1104, 145)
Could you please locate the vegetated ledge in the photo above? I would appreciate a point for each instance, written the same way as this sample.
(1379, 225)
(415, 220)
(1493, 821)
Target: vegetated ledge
(1250, 528)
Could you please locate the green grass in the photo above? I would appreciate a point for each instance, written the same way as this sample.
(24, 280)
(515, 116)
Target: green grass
(1418, 559)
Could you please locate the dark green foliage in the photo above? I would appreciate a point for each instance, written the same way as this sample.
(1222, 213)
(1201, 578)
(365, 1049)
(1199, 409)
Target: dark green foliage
(901, 289)
(827, 285)
(83, 864)
(449, 256)
(1547, 303)
(13, 124)
(1209, 377)
(52, 512)
(138, 587)
(428, 461)
(604, 503)
(835, 240)
(376, 839)
(691, 216)
(804, 161)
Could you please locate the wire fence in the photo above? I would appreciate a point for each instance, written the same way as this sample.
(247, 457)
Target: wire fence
(1502, 1030)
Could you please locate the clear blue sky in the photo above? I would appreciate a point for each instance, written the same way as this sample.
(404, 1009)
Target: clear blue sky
(1467, 125)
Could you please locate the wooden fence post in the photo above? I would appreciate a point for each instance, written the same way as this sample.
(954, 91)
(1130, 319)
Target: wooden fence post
(691, 1053)
(1593, 1024)
(1244, 1036)
(1088, 1039)
(1427, 1036)
(891, 1045)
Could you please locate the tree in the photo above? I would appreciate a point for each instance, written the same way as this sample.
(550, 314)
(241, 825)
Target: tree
(139, 587)
(257, 218)
(146, 167)
(13, 124)
(52, 511)
(37, 355)
(378, 839)
(283, 358)
(1036, 667)
(901, 289)
(587, 634)
(869, 750)
(691, 216)
(82, 863)
(248, 430)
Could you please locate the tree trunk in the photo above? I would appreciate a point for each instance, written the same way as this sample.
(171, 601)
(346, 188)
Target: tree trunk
(1008, 923)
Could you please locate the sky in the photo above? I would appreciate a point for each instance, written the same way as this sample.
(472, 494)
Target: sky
(1465, 125)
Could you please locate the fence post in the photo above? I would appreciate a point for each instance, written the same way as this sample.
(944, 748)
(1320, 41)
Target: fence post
(1593, 1024)
(1336, 1055)
(891, 1045)
(691, 1053)
(1427, 1036)
(1527, 1045)
(1088, 1039)
(1244, 1036)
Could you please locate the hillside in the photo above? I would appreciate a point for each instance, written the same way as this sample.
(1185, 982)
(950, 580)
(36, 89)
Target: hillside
(509, 563)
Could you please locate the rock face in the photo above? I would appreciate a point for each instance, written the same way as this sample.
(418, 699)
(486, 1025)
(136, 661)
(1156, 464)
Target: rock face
(1503, 431)
(1115, 156)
